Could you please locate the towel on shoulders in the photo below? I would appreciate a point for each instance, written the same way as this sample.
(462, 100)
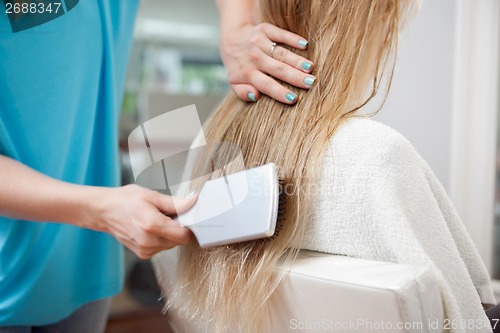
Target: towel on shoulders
(380, 200)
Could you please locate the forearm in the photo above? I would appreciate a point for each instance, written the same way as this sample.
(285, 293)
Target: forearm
(135, 216)
(234, 14)
(29, 195)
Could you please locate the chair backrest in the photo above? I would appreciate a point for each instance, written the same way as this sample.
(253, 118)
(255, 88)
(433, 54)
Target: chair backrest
(324, 292)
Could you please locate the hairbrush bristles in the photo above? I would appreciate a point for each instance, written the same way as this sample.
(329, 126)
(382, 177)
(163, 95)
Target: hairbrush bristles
(281, 210)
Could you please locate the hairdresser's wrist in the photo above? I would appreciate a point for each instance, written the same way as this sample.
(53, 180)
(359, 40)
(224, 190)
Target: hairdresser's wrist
(235, 17)
(234, 14)
(83, 207)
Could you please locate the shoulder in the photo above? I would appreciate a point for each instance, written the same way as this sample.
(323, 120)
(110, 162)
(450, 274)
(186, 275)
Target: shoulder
(366, 131)
(362, 138)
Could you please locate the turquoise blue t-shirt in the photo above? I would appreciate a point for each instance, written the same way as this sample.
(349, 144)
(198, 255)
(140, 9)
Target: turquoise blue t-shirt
(61, 84)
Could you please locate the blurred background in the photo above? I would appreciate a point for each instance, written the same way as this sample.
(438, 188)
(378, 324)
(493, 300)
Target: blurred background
(444, 99)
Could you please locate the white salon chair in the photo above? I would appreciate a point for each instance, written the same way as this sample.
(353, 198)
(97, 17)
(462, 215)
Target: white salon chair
(331, 293)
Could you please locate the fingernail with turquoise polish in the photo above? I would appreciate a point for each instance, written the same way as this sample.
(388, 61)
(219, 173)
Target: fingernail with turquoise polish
(291, 97)
(303, 42)
(251, 96)
(309, 80)
(306, 65)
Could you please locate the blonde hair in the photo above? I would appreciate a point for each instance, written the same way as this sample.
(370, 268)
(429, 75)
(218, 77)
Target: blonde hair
(350, 43)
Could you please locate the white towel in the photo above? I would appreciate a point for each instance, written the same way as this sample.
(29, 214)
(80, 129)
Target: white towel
(380, 200)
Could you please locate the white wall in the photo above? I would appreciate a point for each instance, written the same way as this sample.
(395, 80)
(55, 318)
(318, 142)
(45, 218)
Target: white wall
(474, 137)
(420, 102)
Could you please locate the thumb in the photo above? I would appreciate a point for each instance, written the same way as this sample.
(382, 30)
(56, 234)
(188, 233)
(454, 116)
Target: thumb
(172, 205)
(246, 92)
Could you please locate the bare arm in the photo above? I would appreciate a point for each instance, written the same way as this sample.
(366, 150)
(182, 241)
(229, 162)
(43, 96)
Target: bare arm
(246, 51)
(134, 215)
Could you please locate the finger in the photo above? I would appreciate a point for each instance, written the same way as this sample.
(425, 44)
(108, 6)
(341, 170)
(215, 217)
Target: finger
(149, 253)
(128, 244)
(282, 54)
(183, 204)
(282, 36)
(172, 231)
(287, 73)
(136, 249)
(172, 205)
(246, 92)
(159, 245)
(273, 89)
(288, 57)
